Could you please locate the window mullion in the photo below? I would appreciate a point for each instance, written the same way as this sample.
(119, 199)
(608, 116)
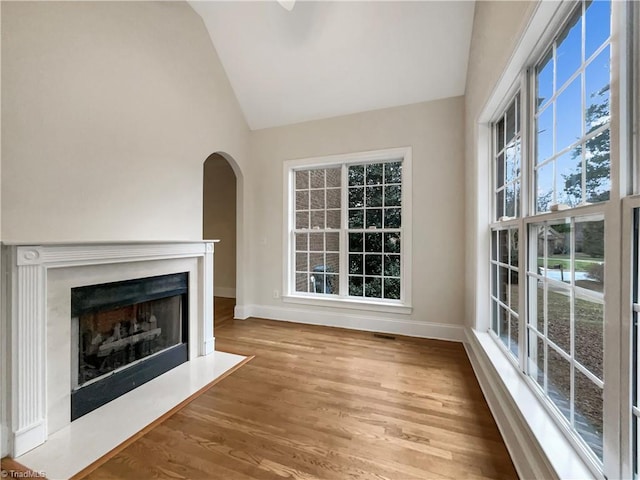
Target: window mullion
(344, 235)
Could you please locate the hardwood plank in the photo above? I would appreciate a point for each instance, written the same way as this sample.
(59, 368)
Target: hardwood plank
(325, 403)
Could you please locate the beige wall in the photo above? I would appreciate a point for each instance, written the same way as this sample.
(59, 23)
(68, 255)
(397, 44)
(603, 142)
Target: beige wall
(435, 131)
(219, 221)
(497, 27)
(109, 110)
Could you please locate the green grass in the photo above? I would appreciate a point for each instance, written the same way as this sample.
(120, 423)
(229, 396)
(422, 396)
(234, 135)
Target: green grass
(581, 265)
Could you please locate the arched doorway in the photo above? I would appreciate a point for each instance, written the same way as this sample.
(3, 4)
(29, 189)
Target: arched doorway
(221, 221)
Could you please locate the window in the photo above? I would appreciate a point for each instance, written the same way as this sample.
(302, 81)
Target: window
(572, 112)
(548, 223)
(348, 222)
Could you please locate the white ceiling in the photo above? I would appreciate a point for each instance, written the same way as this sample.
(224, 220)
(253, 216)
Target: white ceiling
(325, 59)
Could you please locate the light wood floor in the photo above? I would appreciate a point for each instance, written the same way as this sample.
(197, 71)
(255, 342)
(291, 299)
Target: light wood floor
(324, 403)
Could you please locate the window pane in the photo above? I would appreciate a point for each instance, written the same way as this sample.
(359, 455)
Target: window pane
(569, 178)
(301, 282)
(356, 288)
(544, 135)
(510, 201)
(356, 264)
(598, 168)
(316, 242)
(392, 288)
(356, 243)
(317, 219)
(499, 132)
(544, 187)
(569, 115)
(356, 197)
(503, 287)
(598, 25)
(589, 332)
(374, 197)
(513, 334)
(302, 200)
(317, 199)
(333, 219)
(544, 79)
(334, 177)
(503, 246)
(504, 326)
(511, 123)
(302, 220)
(536, 359)
(597, 78)
(392, 265)
(500, 204)
(302, 179)
(569, 49)
(333, 242)
(373, 242)
(356, 175)
(302, 241)
(514, 246)
(392, 242)
(373, 287)
(559, 317)
(393, 172)
(392, 218)
(356, 218)
(494, 316)
(333, 198)
(373, 264)
(559, 381)
(558, 238)
(302, 262)
(512, 162)
(392, 196)
(373, 218)
(500, 170)
(317, 178)
(588, 412)
(374, 174)
(590, 255)
(513, 291)
(332, 263)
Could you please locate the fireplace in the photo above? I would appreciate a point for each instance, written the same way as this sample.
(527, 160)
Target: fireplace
(45, 363)
(125, 334)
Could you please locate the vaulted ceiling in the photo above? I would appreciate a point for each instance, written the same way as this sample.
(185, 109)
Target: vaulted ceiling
(324, 59)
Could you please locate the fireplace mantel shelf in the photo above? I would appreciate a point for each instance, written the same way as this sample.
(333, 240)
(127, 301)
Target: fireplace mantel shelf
(21, 243)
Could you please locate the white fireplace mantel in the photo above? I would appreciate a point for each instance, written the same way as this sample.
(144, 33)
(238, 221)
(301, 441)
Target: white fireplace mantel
(27, 269)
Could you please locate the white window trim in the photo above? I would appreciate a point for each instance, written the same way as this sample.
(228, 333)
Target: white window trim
(543, 24)
(403, 306)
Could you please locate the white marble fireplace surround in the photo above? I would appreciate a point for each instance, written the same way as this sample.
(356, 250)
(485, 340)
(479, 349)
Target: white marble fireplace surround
(40, 278)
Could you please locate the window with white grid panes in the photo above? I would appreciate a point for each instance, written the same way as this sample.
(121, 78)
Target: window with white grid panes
(374, 230)
(507, 162)
(505, 287)
(572, 112)
(565, 269)
(349, 215)
(317, 230)
(565, 331)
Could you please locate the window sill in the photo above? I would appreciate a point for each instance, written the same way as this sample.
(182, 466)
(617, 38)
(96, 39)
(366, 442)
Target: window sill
(349, 303)
(560, 453)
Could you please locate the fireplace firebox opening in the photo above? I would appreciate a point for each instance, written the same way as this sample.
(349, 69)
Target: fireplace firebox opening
(124, 334)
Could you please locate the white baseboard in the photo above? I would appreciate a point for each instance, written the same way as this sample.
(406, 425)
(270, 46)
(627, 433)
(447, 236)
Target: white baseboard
(537, 447)
(224, 292)
(387, 324)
